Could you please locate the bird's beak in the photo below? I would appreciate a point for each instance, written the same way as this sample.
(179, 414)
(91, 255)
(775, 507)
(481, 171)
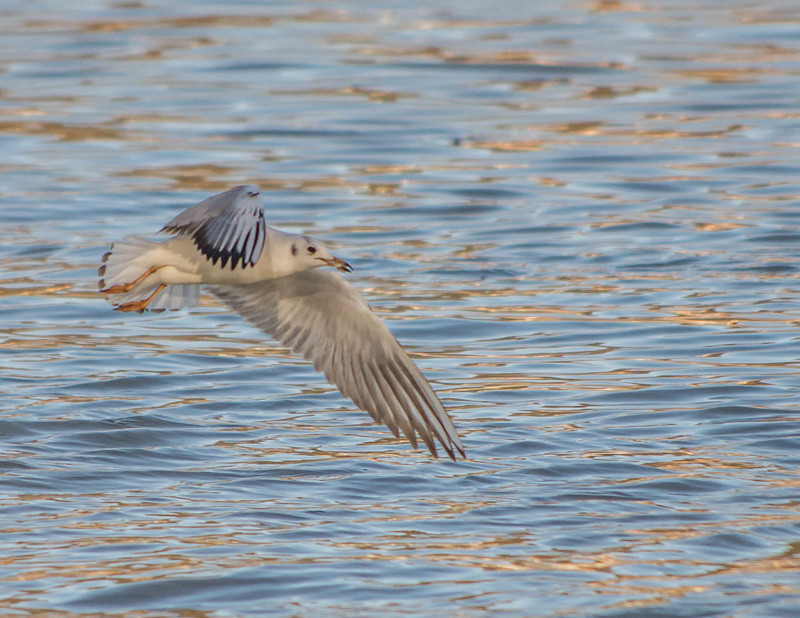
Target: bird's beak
(338, 264)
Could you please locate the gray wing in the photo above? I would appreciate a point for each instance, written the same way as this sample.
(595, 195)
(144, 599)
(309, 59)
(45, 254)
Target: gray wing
(321, 316)
(227, 226)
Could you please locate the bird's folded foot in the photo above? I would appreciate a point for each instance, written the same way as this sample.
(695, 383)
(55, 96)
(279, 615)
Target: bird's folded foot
(139, 305)
(134, 305)
(120, 288)
(123, 288)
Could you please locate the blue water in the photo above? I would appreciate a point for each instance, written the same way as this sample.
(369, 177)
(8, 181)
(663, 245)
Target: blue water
(581, 219)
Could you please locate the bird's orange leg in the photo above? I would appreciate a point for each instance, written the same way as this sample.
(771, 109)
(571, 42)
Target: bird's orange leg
(121, 288)
(140, 305)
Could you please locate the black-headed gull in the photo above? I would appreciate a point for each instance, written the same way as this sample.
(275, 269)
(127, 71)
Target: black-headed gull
(273, 280)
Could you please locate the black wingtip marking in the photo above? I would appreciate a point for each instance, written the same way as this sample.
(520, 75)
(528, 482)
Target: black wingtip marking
(223, 257)
(207, 236)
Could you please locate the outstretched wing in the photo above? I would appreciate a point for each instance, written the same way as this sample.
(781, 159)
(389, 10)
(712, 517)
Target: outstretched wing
(227, 226)
(321, 316)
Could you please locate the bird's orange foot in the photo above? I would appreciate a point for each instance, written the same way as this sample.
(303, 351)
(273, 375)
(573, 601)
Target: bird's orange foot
(139, 305)
(134, 305)
(122, 288)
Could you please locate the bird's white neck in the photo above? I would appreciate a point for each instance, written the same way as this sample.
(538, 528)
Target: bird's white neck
(280, 249)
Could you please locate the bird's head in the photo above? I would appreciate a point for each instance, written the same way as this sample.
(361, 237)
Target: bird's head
(309, 253)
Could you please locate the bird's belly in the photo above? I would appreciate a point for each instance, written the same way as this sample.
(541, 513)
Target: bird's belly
(215, 274)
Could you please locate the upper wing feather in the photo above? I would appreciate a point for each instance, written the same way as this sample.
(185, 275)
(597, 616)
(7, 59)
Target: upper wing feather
(227, 226)
(321, 316)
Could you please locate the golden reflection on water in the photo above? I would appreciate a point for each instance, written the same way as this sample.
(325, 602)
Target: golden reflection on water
(730, 75)
(250, 20)
(210, 177)
(505, 145)
(608, 92)
(66, 132)
(376, 96)
(204, 177)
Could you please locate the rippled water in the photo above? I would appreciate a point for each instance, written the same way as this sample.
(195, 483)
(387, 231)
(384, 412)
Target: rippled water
(582, 220)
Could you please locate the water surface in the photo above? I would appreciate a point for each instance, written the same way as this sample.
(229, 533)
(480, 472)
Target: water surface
(580, 218)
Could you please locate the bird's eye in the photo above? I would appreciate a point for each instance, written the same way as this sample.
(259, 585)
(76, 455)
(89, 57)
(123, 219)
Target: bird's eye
(312, 249)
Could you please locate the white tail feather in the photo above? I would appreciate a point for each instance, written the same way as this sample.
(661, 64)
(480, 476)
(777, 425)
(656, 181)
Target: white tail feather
(129, 259)
(174, 297)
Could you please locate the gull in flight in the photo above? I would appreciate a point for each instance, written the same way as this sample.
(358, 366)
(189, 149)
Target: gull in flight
(274, 280)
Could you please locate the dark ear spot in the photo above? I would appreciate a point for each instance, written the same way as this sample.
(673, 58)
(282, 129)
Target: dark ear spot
(294, 249)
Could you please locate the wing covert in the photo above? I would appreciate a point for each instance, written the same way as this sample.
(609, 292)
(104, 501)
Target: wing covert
(227, 227)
